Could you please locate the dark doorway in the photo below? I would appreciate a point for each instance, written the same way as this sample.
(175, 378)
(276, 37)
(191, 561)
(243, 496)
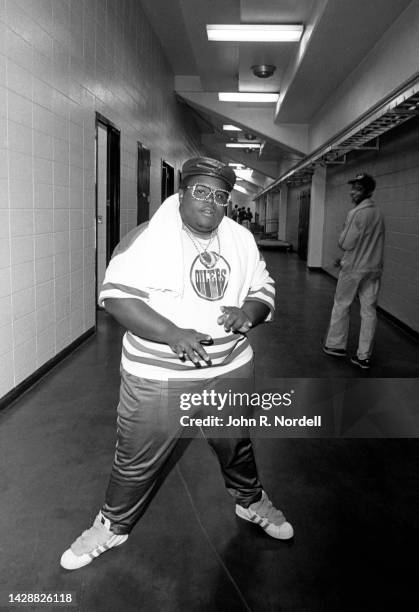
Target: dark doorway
(167, 180)
(143, 184)
(107, 193)
(303, 225)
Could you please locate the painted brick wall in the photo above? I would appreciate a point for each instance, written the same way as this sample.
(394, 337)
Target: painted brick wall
(395, 167)
(60, 61)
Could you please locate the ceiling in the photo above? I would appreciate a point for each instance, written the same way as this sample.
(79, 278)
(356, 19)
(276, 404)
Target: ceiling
(337, 36)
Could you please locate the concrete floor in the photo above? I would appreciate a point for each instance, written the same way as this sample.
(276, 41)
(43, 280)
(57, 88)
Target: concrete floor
(353, 502)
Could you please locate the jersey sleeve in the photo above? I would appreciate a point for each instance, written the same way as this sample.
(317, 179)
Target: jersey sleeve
(122, 279)
(262, 286)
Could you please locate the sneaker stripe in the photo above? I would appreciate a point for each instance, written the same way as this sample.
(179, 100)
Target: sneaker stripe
(254, 518)
(104, 547)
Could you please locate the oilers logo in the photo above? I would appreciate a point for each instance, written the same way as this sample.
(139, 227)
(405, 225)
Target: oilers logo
(209, 276)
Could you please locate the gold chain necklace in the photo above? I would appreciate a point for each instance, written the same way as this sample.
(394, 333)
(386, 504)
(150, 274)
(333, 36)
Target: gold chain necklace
(208, 259)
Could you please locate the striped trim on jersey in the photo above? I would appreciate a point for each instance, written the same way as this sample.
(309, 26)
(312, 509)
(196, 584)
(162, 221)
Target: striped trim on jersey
(116, 290)
(139, 351)
(266, 295)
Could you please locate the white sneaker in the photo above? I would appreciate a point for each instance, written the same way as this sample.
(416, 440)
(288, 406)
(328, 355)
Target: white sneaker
(92, 543)
(264, 514)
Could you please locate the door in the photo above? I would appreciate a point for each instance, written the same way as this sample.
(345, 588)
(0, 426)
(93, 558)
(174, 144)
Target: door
(143, 184)
(107, 194)
(167, 180)
(303, 225)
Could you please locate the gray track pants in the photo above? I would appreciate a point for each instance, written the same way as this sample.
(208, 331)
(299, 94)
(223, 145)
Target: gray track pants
(148, 434)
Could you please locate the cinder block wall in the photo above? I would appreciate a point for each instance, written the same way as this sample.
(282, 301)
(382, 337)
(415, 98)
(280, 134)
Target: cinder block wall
(60, 61)
(395, 167)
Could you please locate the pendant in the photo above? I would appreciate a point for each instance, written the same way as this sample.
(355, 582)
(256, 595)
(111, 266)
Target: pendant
(208, 259)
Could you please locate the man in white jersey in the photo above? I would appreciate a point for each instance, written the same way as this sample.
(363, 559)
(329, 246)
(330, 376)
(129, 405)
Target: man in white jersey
(187, 287)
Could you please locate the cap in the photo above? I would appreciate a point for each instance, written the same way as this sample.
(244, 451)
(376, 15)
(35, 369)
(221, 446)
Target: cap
(209, 167)
(366, 180)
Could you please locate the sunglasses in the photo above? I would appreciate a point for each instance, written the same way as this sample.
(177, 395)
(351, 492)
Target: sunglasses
(203, 193)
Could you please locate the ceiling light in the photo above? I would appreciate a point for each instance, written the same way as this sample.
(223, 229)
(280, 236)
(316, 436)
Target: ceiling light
(243, 174)
(239, 96)
(231, 128)
(255, 32)
(234, 165)
(240, 188)
(243, 145)
(263, 71)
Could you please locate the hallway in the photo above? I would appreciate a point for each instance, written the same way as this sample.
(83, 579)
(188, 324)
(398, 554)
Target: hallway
(355, 516)
(291, 345)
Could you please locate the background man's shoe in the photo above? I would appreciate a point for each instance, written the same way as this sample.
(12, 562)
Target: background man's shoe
(264, 514)
(92, 543)
(365, 364)
(336, 352)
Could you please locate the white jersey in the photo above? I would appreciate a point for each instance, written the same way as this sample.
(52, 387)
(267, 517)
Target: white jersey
(231, 272)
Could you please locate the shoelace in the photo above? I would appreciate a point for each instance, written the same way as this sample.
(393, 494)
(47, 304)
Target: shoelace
(95, 533)
(267, 510)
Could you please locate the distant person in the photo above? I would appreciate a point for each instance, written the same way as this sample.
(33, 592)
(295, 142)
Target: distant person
(362, 240)
(235, 213)
(242, 214)
(247, 218)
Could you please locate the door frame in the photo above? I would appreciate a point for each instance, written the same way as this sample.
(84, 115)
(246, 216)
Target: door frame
(304, 224)
(113, 188)
(167, 169)
(141, 191)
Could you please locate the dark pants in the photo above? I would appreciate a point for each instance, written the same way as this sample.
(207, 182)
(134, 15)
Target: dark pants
(149, 431)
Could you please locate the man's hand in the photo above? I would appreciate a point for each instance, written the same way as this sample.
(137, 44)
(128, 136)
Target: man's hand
(234, 319)
(187, 344)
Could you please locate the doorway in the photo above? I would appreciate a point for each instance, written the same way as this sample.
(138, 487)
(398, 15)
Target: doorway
(303, 225)
(143, 184)
(167, 180)
(107, 194)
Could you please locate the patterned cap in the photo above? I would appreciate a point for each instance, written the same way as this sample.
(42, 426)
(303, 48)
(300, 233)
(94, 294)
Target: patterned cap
(365, 180)
(209, 167)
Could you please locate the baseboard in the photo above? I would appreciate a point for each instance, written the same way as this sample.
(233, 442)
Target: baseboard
(397, 323)
(17, 391)
(412, 333)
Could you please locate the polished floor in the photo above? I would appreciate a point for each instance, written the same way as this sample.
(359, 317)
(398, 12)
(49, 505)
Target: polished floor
(290, 346)
(353, 502)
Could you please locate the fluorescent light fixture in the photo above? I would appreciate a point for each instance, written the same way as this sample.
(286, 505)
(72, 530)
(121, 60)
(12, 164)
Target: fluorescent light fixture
(243, 174)
(247, 96)
(255, 32)
(243, 145)
(240, 188)
(234, 165)
(231, 128)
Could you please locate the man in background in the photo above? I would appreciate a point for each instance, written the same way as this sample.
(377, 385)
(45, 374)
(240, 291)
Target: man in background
(362, 240)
